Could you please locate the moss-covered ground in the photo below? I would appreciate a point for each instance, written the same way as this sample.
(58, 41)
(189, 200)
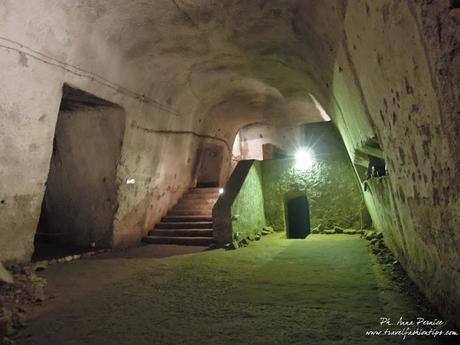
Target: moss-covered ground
(323, 290)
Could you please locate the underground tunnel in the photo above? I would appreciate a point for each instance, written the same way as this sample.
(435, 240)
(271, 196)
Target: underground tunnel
(221, 172)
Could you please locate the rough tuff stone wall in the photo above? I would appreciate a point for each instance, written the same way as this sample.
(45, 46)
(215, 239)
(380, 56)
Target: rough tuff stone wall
(43, 47)
(334, 197)
(239, 212)
(398, 69)
(247, 211)
(81, 190)
(184, 70)
(209, 166)
(331, 186)
(160, 64)
(257, 190)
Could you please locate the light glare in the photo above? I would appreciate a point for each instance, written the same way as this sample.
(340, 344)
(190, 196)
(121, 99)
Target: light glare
(303, 160)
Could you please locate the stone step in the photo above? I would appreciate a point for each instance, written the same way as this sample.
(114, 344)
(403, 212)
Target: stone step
(182, 232)
(181, 219)
(190, 212)
(191, 202)
(193, 206)
(184, 225)
(202, 200)
(195, 196)
(204, 190)
(187, 241)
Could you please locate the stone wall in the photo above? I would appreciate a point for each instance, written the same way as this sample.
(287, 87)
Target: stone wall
(257, 190)
(209, 165)
(81, 191)
(333, 194)
(44, 47)
(248, 213)
(391, 80)
(331, 186)
(187, 72)
(239, 212)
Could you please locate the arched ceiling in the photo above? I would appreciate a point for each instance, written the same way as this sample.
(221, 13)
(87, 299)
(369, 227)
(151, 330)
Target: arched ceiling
(235, 61)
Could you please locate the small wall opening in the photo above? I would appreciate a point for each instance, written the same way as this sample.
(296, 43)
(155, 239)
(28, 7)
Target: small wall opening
(297, 216)
(211, 159)
(369, 162)
(80, 200)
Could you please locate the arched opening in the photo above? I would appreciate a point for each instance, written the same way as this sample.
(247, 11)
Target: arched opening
(81, 191)
(262, 141)
(297, 216)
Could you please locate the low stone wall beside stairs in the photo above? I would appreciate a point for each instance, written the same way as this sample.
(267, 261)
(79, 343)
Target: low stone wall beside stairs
(239, 213)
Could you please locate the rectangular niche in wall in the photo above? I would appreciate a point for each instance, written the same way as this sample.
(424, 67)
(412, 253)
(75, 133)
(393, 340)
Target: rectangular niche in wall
(81, 192)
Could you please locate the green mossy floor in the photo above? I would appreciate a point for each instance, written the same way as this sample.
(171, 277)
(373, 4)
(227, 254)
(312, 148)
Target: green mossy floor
(323, 290)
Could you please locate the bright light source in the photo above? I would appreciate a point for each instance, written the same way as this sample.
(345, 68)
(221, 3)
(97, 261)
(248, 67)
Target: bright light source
(221, 191)
(304, 160)
(130, 181)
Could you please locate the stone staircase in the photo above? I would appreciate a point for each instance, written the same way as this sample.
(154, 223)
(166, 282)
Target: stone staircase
(189, 222)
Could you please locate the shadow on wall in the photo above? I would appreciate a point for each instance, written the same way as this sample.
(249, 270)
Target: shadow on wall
(81, 194)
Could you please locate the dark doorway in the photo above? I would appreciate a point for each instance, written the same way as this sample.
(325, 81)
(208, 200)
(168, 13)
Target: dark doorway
(81, 192)
(211, 158)
(298, 217)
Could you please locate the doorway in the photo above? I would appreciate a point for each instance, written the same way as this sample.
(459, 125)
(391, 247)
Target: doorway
(211, 159)
(80, 199)
(297, 217)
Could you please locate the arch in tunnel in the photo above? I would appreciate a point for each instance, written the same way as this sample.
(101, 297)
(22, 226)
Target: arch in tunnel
(189, 71)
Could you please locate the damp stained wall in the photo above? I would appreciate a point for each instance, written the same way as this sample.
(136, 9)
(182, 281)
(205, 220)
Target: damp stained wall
(209, 166)
(247, 210)
(44, 47)
(397, 68)
(331, 186)
(387, 69)
(81, 191)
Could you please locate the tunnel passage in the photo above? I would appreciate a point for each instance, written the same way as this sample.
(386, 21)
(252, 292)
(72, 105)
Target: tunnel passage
(189, 70)
(297, 217)
(81, 192)
(211, 159)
